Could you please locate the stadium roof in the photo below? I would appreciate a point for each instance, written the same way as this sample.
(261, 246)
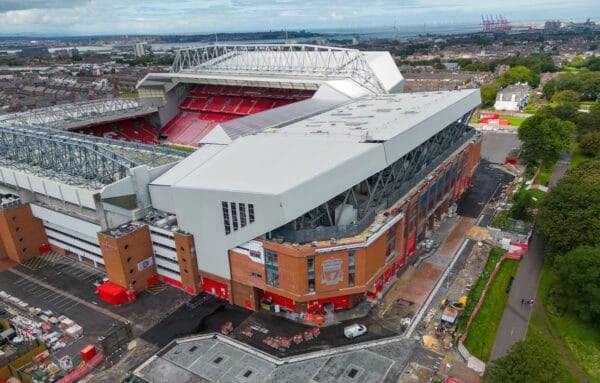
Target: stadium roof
(282, 66)
(76, 159)
(272, 118)
(69, 116)
(319, 147)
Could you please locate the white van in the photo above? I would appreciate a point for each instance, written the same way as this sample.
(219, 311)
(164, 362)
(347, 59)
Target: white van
(354, 330)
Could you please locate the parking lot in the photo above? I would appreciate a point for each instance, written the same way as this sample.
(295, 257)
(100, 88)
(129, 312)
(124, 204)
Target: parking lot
(66, 287)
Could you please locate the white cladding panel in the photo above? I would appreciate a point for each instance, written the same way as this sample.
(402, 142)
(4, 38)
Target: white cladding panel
(44, 186)
(162, 197)
(85, 228)
(200, 213)
(400, 145)
(386, 70)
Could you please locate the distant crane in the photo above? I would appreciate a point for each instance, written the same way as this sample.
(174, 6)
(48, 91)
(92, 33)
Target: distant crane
(496, 23)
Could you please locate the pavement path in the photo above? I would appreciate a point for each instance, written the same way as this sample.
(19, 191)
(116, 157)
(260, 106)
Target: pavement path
(515, 320)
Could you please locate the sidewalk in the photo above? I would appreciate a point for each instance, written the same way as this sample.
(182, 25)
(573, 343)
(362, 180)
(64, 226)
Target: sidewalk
(515, 319)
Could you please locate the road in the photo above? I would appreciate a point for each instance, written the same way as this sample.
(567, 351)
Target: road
(515, 319)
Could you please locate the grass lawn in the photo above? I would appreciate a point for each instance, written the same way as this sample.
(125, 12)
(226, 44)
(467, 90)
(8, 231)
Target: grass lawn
(538, 329)
(482, 332)
(538, 195)
(501, 216)
(514, 121)
(577, 158)
(545, 174)
(580, 339)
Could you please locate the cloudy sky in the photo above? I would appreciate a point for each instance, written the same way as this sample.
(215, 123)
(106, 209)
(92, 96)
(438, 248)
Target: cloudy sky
(199, 16)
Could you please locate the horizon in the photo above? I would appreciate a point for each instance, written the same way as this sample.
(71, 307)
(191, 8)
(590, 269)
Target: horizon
(152, 17)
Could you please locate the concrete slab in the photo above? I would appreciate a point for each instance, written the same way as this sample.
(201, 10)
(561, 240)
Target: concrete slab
(421, 283)
(456, 237)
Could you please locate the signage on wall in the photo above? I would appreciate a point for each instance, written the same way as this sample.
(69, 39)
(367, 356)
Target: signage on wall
(145, 263)
(331, 272)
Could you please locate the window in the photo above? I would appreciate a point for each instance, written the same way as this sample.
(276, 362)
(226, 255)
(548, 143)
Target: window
(272, 268)
(251, 212)
(234, 217)
(311, 272)
(126, 247)
(225, 206)
(351, 268)
(390, 244)
(242, 207)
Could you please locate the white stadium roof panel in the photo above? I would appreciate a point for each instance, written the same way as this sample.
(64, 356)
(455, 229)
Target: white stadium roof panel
(383, 65)
(273, 163)
(277, 160)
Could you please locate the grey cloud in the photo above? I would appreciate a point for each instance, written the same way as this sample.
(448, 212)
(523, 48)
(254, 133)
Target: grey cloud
(20, 5)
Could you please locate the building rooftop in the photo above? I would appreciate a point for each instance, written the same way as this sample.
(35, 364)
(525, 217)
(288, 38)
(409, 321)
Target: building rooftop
(208, 359)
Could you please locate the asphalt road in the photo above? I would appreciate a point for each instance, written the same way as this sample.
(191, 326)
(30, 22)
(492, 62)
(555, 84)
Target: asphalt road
(515, 319)
(487, 184)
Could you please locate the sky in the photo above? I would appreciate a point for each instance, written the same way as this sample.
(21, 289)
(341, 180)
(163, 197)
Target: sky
(87, 17)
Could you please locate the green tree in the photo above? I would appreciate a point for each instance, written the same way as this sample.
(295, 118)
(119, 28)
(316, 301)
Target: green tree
(517, 74)
(577, 61)
(488, 94)
(589, 122)
(545, 138)
(568, 216)
(579, 272)
(549, 89)
(589, 144)
(593, 63)
(566, 97)
(528, 361)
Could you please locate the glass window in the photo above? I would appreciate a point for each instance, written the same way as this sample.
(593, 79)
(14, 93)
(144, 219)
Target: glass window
(234, 217)
(351, 268)
(242, 207)
(311, 272)
(272, 268)
(251, 212)
(226, 223)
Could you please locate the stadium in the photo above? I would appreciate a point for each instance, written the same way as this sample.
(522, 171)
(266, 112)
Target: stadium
(308, 181)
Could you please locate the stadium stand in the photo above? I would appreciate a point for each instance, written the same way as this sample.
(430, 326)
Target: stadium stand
(135, 130)
(208, 105)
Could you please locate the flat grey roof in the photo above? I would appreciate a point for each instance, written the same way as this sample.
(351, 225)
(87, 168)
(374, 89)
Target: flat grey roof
(209, 359)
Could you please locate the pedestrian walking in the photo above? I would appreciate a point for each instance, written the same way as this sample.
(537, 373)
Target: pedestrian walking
(531, 302)
(522, 301)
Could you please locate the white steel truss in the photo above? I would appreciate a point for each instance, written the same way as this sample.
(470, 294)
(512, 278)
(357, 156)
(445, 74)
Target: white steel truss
(61, 115)
(287, 60)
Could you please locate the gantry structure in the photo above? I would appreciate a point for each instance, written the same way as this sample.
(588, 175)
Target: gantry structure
(280, 60)
(75, 159)
(68, 116)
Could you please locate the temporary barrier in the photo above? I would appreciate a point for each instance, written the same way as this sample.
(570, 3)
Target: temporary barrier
(112, 293)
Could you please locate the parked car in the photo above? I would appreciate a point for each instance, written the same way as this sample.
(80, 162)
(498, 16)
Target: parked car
(354, 330)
